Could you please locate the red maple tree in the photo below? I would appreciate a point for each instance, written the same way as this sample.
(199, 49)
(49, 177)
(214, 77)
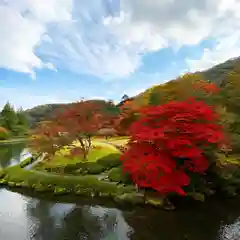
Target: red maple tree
(78, 121)
(168, 141)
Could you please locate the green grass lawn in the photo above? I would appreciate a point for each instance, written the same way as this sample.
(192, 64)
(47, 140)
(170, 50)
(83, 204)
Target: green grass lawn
(114, 140)
(104, 149)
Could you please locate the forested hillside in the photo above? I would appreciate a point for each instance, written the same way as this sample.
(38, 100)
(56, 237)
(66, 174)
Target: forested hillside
(218, 75)
(41, 113)
(46, 112)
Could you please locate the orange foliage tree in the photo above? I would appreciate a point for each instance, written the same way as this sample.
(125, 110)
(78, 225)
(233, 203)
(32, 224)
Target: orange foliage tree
(3, 133)
(128, 114)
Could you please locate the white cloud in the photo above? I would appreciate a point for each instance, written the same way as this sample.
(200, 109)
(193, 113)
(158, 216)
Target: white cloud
(226, 34)
(115, 46)
(27, 99)
(89, 38)
(228, 46)
(23, 25)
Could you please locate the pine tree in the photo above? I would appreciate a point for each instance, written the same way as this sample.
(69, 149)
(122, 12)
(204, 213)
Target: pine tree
(22, 125)
(15, 122)
(9, 118)
(154, 98)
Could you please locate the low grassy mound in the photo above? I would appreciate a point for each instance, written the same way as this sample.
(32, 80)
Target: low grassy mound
(117, 175)
(101, 157)
(82, 168)
(98, 151)
(16, 176)
(110, 161)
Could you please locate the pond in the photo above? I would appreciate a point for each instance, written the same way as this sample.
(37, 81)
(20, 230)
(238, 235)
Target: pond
(27, 215)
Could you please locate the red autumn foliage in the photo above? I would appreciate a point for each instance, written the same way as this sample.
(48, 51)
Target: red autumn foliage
(167, 142)
(79, 121)
(209, 88)
(127, 116)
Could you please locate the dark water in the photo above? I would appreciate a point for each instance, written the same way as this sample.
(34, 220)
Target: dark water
(26, 216)
(10, 154)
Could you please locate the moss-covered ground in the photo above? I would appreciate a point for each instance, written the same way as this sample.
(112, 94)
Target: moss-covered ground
(100, 174)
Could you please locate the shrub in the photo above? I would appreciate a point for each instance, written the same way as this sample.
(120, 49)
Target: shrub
(117, 175)
(4, 134)
(56, 183)
(93, 168)
(110, 161)
(168, 143)
(83, 168)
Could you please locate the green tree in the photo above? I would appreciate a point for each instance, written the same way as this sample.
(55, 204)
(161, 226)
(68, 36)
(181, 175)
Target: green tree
(155, 97)
(22, 125)
(231, 92)
(9, 118)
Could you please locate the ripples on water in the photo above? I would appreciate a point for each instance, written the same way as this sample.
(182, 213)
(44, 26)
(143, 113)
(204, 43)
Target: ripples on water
(25, 218)
(230, 231)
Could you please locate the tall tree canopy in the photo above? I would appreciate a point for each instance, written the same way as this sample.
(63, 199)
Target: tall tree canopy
(14, 121)
(79, 121)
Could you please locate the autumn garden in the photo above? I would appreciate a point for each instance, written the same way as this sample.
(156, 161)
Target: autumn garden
(180, 139)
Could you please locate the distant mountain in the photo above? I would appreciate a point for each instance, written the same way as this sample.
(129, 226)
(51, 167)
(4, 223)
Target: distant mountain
(215, 74)
(41, 113)
(46, 112)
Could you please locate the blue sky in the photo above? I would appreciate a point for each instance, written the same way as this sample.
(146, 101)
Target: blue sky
(62, 50)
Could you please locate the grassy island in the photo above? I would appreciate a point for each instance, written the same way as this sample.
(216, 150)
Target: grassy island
(98, 176)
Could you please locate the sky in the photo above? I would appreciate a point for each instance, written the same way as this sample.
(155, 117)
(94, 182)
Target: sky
(57, 51)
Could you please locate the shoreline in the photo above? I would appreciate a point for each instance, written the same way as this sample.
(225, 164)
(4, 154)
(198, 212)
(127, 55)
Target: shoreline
(89, 186)
(14, 140)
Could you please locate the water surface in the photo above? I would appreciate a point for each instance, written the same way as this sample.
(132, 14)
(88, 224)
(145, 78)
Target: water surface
(28, 215)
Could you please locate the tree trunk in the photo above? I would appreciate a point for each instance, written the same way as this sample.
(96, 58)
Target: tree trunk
(83, 148)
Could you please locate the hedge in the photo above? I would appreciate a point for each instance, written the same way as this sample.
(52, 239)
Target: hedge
(117, 175)
(103, 164)
(110, 161)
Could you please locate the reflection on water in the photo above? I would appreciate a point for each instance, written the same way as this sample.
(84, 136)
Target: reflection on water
(10, 154)
(35, 217)
(23, 217)
(28, 218)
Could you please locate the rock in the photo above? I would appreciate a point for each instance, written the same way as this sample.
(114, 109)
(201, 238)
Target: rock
(231, 191)
(133, 198)
(155, 201)
(209, 192)
(18, 184)
(11, 184)
(39, 187)
(197, 196)
(3, 181)
(104, 194)
(168, 206)
(60, 190)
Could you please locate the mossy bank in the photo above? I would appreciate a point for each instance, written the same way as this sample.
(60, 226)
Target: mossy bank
(62, 184)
